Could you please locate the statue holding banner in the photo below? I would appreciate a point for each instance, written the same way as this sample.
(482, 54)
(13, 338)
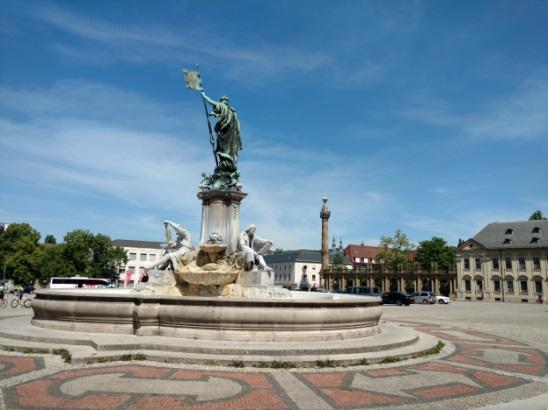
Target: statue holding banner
(227, 145)
(229, 140)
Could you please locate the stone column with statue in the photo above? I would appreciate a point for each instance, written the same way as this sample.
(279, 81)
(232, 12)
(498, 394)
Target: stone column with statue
(324, 215)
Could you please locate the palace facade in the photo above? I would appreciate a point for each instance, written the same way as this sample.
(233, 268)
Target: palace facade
(365, 271)
(505, 261)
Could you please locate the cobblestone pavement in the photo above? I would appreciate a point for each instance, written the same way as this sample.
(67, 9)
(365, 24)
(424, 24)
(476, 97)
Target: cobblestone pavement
(477, 368)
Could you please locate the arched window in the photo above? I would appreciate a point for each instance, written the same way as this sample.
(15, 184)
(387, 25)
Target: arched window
(467, 283)
(496, 283)
(479, 283)
(523, 285)
(538, 285)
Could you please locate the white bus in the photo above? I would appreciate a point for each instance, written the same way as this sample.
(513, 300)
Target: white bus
(78, 282)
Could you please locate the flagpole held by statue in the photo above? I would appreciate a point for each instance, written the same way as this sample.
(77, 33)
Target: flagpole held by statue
(228, 144)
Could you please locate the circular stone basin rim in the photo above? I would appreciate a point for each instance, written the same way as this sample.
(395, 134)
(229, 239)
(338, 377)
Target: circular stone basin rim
(105, 294)
(208, 318)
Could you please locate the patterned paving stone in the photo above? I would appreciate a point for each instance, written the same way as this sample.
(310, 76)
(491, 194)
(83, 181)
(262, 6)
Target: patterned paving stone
(481, 368)
(445, 392)
(147, 387)
(518, 359)
(349, 398)
(326, 379)
(406, 385)
(496, 380)
(15, 365)
(454, 335)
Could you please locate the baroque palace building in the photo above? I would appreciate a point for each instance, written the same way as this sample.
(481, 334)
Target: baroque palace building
(359, 267)
(506, 262)
(364, 270)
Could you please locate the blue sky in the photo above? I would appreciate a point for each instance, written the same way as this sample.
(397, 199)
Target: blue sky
(428, 116)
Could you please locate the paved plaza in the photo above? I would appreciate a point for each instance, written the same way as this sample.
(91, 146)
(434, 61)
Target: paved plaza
(495, 357)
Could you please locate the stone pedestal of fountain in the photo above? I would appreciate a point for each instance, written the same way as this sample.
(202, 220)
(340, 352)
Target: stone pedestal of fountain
(256, 278)
(221, 217)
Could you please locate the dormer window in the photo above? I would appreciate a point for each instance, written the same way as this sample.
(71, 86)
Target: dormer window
(509, 231)
(507, 241)
(536, 229)
(534, 239)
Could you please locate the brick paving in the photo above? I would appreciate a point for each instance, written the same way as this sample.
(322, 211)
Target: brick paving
(482, 369)
(15, 366)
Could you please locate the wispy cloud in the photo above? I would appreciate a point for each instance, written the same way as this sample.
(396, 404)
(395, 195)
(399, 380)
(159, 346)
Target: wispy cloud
(104, 32)
(523, 115)
(92, 155)
(148, 44)
(82, 100)
(461, 224)
(519, 115)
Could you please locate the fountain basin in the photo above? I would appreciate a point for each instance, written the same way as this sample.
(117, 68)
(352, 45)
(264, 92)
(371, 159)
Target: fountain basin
(306, 316)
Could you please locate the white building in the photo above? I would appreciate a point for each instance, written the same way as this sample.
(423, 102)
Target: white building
(139, 255)
(296, 269)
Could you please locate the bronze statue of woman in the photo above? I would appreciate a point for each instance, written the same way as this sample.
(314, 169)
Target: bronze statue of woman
(227, 128)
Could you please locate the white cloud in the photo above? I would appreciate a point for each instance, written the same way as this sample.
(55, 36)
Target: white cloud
(90, 155)
(462, 224)
(521, 115)
(149, 44)
(82, 100)
(104, 32)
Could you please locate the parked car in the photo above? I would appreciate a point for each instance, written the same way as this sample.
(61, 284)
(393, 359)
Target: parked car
(398, 298)
(441, 299)
(364, 290)
(424, 297)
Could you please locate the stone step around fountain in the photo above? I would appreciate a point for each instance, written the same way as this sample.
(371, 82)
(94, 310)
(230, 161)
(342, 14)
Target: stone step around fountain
(394, 342)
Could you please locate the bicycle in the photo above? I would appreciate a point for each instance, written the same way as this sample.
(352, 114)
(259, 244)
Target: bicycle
(23, 303)
(4, 303)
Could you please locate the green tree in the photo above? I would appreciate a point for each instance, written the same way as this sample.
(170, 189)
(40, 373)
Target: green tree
(77, 250)
(19, 253)
(50, 239)
(338, 259)
(92, 255)
(106, 257)
(537, 216)
(435, 253)
(396, 254)
(278, 251)
(52, 263)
